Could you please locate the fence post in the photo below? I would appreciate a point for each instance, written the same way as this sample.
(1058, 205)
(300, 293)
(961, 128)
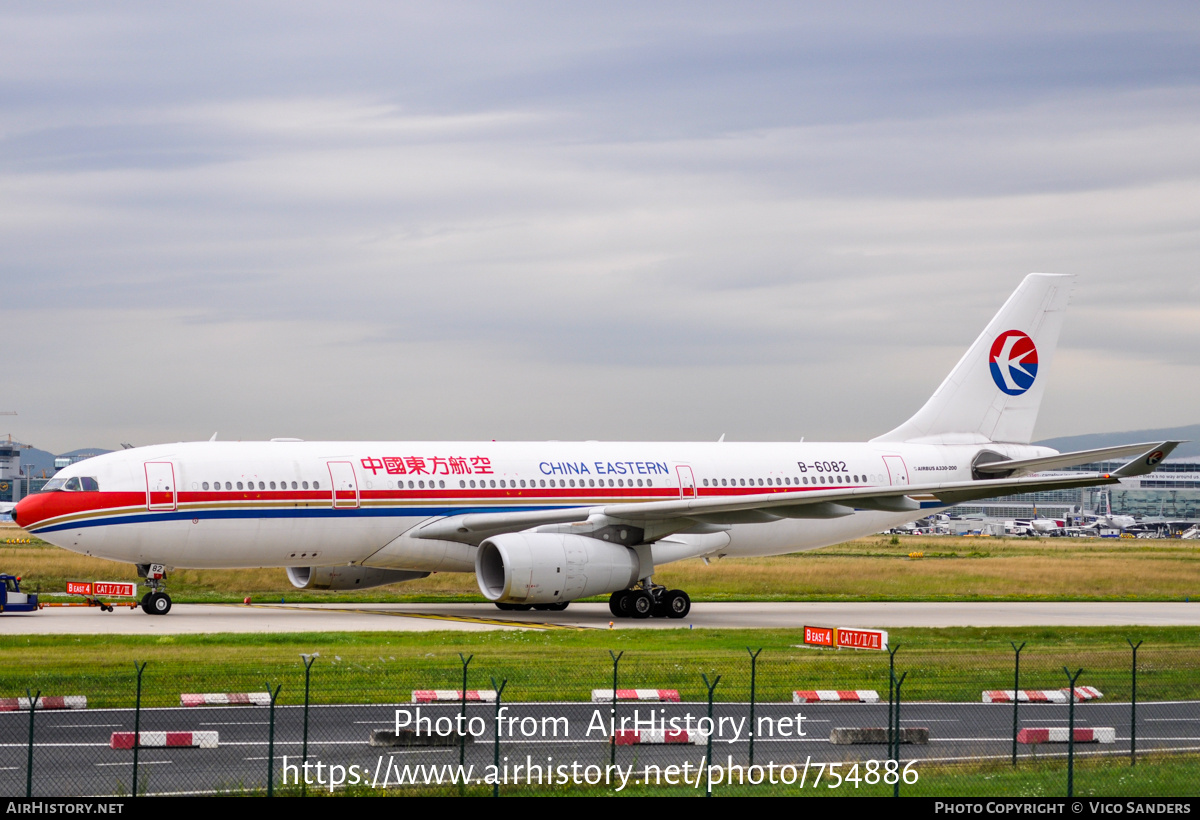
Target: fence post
(753, 670)
(137, 724)
(308, 662)
(891, 694)
(496, 730)
(712, 731)
(1133, 706)
(1071, 730)
(33, 699)
(462, 720)
(896, 734)
(271, 742)
(1016, 698)
(612, 712)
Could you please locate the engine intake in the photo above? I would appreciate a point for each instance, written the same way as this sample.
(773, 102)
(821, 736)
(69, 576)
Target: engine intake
(548, 568)
(348, 577)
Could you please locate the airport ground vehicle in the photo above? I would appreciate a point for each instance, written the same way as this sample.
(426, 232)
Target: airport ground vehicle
(12, 599)
(545, 523)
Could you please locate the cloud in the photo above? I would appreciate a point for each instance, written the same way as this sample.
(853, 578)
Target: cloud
(498, 221)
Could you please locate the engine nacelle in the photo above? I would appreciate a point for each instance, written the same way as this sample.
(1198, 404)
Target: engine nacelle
(548, 568)
(348, 577)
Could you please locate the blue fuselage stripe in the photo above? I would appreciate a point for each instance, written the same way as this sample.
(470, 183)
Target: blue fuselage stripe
(298, 512)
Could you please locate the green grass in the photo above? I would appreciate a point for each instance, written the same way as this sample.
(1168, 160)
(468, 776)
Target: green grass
(953, 664)
(877, 568)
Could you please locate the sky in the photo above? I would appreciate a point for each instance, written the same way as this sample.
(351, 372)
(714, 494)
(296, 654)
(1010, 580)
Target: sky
(627, 221)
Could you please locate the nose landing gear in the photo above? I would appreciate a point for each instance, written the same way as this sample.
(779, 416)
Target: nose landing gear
(156, 601)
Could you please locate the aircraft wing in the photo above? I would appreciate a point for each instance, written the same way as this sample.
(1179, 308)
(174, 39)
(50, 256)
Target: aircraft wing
(1150, 453)
(831, 502)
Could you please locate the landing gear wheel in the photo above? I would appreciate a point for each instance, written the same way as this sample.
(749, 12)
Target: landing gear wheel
(677, 603)
(156, 603)
(559, 607)
(616, 603)
(506, 607)
(641, 605)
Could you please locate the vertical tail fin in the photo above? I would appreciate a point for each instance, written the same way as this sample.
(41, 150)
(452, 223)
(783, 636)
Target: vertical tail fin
(994, 391)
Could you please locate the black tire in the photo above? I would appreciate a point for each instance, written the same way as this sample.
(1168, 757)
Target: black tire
(505, 607)
(677, 603)
(160, 603)
(616, 601)
(641, 605)
(559, 607)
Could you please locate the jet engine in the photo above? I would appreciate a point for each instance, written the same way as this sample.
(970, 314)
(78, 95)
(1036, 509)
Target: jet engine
(548, 568)
(348, 577)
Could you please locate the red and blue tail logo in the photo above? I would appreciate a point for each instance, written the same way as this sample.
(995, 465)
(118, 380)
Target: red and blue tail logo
(1014, 362)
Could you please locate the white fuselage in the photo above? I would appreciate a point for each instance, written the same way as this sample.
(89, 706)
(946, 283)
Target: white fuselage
(296, 504)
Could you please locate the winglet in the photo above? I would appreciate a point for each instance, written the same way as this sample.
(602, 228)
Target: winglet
(1147, 462)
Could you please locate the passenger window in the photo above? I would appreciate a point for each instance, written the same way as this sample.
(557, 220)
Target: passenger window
(204, 486)
(239, 485)
(228, 485)
(304, 484)
(462, 483)
(272, 485)
(441, 484)
(316, 485)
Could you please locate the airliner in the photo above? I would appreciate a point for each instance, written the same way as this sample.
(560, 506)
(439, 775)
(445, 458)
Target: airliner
(542, 524)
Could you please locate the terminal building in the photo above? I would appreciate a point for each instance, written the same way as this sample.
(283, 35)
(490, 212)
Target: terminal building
(1172, 491)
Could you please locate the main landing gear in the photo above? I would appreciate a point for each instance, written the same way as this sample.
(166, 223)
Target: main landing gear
(154, 602)
(655, 601)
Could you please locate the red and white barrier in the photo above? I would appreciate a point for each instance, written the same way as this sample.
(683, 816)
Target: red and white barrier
(153, 740)
(635, 737)
(453, 695)
(1082, 693)
(657, 695)
(226, 699)
(49, 702)
(836, 696)
(1104, 734)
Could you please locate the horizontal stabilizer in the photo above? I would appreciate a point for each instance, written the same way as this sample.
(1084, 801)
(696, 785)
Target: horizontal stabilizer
(1074, 459)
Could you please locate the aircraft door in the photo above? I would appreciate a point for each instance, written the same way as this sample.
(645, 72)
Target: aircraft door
(345, 485)
(896, 470)
(687, 481)
(160, 485)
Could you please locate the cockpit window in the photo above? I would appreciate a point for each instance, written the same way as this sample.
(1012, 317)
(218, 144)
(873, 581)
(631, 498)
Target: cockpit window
(74, 484)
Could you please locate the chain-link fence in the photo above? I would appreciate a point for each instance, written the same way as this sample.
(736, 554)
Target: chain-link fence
(1011, 718)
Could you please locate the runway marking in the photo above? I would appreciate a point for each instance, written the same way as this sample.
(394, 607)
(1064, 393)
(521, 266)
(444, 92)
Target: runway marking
(465, 619)
(140, 763)
(84, 725)
(241, 723)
